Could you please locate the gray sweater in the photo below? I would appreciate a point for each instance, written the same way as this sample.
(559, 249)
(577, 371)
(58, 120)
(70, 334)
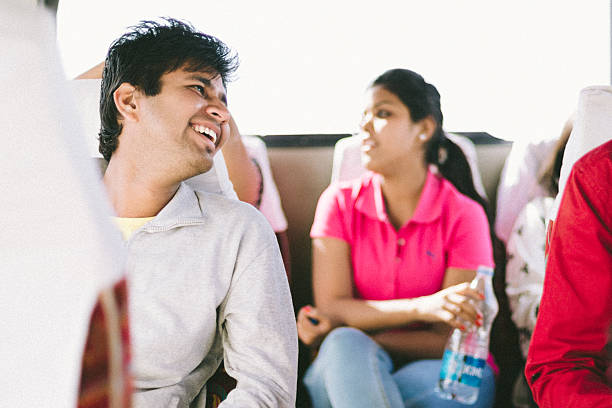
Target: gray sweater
(206, 283)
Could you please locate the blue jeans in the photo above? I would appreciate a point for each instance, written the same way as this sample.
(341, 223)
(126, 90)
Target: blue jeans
(352, 370)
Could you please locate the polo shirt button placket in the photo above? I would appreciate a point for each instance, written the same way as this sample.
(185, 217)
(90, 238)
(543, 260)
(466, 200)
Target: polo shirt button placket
(400, 243)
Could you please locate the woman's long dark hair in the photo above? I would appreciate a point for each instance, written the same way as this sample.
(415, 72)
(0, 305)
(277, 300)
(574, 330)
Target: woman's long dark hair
(423, 100)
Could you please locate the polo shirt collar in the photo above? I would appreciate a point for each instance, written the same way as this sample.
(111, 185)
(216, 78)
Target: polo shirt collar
(370, 200)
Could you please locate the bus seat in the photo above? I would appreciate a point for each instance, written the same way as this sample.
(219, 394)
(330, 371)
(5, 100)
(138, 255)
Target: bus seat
(303, 166)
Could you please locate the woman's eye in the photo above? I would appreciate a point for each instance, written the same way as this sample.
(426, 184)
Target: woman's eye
(383, 114)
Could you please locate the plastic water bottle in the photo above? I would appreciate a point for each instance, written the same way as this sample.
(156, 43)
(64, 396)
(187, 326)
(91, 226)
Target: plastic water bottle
(466, 352)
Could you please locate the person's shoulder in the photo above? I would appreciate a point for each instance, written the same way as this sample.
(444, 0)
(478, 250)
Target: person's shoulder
(454, 200)
(457, 208)
(230, 210)
(591, 176)
(600, 157)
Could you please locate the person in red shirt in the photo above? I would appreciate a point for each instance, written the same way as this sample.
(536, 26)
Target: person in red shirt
(567, 360)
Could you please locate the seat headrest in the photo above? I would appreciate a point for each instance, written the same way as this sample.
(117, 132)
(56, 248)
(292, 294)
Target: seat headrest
(592, 127)
(347, 159)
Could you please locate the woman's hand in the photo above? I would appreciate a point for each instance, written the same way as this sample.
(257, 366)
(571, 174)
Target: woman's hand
(312, 326)
(454, 306)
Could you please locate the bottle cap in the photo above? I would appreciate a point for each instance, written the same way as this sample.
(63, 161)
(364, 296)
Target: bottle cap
(485, 270)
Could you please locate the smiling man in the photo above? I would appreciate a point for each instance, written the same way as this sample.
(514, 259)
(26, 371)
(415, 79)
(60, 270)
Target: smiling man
(206, 279)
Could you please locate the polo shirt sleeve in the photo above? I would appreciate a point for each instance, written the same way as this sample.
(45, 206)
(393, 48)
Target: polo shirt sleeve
(332, 213)
(469, 244)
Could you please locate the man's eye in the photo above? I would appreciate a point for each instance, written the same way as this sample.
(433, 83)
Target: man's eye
(200, 89)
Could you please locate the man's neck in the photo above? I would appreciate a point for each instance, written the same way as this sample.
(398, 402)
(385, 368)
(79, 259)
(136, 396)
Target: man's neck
(134, 193)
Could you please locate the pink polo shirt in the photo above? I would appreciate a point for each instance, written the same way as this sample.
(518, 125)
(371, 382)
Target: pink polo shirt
(447, 230)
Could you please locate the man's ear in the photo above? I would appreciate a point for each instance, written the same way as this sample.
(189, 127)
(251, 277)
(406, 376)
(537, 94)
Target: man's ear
(125, 101)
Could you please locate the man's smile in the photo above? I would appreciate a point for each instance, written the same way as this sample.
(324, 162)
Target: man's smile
(206, 131)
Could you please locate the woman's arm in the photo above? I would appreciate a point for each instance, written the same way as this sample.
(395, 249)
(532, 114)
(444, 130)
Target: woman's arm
(313, 326)
(333, 293)
(409, 345)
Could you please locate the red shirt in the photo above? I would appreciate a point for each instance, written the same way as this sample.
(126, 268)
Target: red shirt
(567, 360)
(105, 374)
(447, 229)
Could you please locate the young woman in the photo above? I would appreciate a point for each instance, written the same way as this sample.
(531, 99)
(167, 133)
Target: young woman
(392, 254)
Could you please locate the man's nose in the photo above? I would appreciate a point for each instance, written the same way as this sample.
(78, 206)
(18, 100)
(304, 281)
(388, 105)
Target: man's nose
(218, 110)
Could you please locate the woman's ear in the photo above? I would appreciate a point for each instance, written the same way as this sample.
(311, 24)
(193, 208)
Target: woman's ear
(125, 101)
(428, 127)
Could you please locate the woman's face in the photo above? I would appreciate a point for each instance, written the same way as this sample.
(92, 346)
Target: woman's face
(390, 137)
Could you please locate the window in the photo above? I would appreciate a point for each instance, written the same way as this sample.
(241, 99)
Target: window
(512, 69)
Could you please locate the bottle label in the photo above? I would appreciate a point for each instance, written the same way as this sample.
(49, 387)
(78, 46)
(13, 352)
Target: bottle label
(463, 368)
(451, 365)
(471, 374)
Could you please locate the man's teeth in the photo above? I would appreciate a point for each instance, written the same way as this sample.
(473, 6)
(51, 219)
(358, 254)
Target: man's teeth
(206, 131)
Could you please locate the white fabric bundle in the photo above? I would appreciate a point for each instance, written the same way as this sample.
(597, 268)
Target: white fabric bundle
(57, 246)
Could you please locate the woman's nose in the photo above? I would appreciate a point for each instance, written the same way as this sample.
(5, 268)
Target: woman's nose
(366, 120)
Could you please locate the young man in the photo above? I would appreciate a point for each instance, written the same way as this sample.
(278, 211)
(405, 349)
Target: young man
(206, 279)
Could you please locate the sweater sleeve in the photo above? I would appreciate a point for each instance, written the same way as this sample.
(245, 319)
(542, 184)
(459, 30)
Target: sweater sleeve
(258, 326)
(567, 359)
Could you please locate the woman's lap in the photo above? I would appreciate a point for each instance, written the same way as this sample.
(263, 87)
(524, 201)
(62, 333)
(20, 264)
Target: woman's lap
(417, 381)
(352, 370)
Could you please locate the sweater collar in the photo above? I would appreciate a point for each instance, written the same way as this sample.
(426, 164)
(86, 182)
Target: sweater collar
(185, 207)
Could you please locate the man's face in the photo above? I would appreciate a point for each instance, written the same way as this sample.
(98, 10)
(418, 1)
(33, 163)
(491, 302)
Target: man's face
(187, 122)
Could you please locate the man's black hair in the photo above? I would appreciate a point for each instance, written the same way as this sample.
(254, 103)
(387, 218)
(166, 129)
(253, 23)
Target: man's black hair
(145, 53)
